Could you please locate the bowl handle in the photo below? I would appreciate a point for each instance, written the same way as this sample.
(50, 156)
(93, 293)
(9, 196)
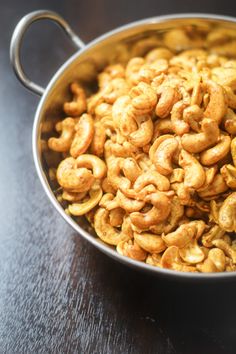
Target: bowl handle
(17, 38)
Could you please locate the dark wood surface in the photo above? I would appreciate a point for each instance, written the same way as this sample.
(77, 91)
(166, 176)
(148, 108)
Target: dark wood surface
(58, 294)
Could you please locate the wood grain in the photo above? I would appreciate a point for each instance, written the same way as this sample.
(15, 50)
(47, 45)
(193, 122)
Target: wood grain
(57, 293)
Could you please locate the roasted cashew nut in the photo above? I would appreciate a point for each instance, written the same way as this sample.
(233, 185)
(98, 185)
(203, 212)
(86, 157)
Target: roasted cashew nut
(216, 107)
(93, 162)
(132, 250)
(171, 260)
(150, 242)
(185, 234)
(83, 136)
(105, 231)
(194, 172)
(180, 127)
(143, 135)
(71, 177)
(78, 105)
(227, 214)
(201, 141)
(63, 143)
(168, 97)
(217, 187)
(164, 155)
(216, 153)
(228, 172)
(144, 98)
(78, 209)
(159, 212)
(123, 115)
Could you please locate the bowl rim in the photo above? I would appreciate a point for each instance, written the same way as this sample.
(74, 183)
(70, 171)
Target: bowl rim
(162, 272)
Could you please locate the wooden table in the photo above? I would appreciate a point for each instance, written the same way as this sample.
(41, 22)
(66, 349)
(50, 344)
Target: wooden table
(58, 294)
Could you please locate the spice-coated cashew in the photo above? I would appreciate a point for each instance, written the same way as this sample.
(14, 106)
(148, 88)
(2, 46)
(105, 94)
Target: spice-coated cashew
(164, 155)
(71, 177)
(233, 150)
(162, 126)
(201, 141)
(78, 105)
(194, 172)
(227, 214)
(215, 262)
(216, 107)
(83, 136)
(144, 98)
(180, 127)
(78, 209)
(230, 122)
(143, 135)
(228, 172)
(192, 253)
(92, 162)
(63, 143)
(150, 242)
(217, 187)
(168, 97)
(131, 169)
(171, 260)
(128, 204)
(131, 249)
(185, 233)
(159, 212)
(217, 152)
(123, 115)
(99, 138)
(152, 177)
(105, 231)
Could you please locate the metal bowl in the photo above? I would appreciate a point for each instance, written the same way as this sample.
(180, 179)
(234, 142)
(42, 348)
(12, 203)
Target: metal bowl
(120, 44)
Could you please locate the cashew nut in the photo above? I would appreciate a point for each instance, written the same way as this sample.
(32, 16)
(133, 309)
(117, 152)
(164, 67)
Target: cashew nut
(227, 214)
(217, 152)
(83, 136)
(149, 242)
(63, 143)
(164, 154)
(194, 172)
(201, 141)
(78, 105)
(78, 209)
(216, 107)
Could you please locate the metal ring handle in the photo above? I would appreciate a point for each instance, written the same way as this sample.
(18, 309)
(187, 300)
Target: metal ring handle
(17, 38)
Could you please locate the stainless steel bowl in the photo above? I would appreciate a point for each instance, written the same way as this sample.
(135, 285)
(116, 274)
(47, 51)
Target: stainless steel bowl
(122, 43)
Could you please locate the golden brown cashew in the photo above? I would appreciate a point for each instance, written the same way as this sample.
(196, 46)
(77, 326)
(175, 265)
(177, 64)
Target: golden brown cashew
(227, 214)
(70, 177)
(132, 70)
(201, 141)
(228, 250)
(114, 174)
(131, 249)
(143, 135)
(229, 174)
(217, 187)
(152, 177)
(128, 204)
(116, 217)
(225, 76)
(233, 150)
(180, 127)
(171, 260)
(162, 126)
(62, 144)
(168, 97)
(231, 96)
(192, 253)
(194, 172)
(154, 259)
(78, 105)
(229, 121)
(149, 71)
(99, 138)
(149, 242)
(215, 262)
(193, 115)
(217, 106)
(92, 162)
(78, 209)
(105, 231)
(217, 152)
(159, 212)
(156, 144)
(184, 193)
(73, 197)
(185, 233)
(164, 155)
(214, 233)
(144, 98)
(131, 169)
(83, 136)
(123, 115)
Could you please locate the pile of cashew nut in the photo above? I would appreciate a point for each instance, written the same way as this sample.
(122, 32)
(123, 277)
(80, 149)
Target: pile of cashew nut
(150, 159)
